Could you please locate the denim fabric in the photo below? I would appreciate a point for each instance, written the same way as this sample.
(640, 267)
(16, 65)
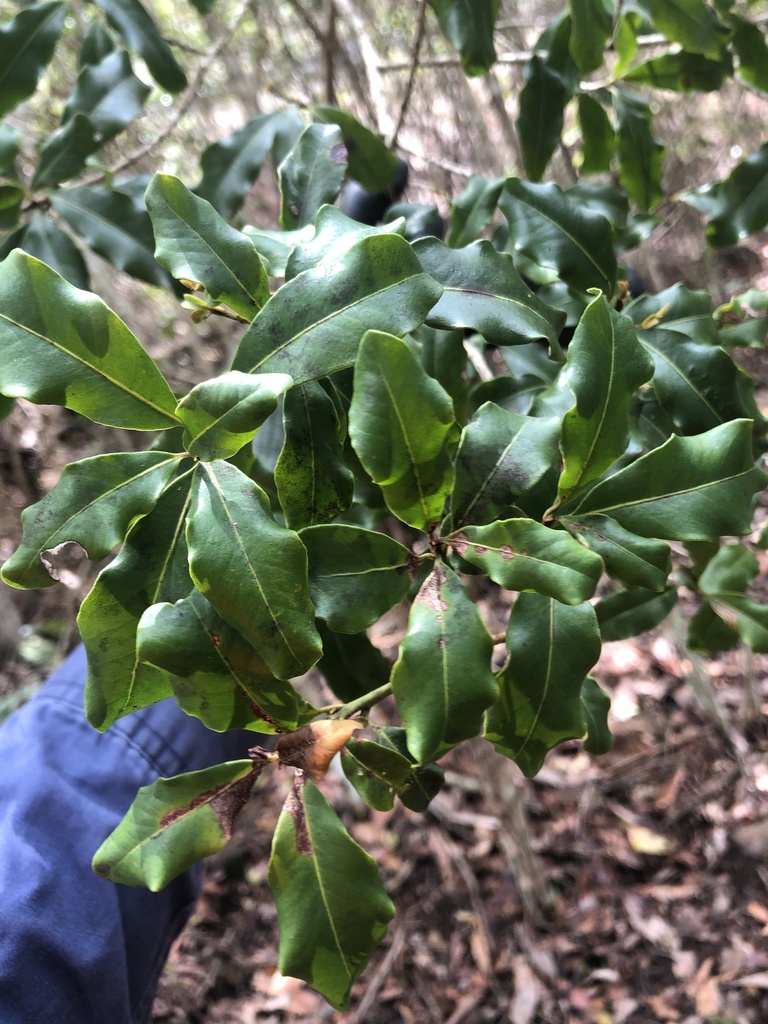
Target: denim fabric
(75, 949)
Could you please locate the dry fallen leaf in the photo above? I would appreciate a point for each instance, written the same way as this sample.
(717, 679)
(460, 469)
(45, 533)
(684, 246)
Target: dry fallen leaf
(644, 840)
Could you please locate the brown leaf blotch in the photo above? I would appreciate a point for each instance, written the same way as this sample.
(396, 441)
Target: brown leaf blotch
(312, 748)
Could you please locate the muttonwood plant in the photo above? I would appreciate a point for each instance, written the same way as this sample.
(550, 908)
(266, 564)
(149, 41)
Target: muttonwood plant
(399, 416)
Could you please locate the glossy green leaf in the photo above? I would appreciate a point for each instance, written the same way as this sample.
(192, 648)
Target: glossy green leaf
(311, 175)
(708, 634)
(333, 236)
(636, 561)
(520, 554)
(194, 243)
(61, 346)
(350, 664)
(632, 612)
(369, 160)
(93, 504)
(9, 148)
(115, 226)
(442, 680)
(682, 72)
(313, 325)
(598, 136)
(692, 23)
(698, 386)
(130, 19)
(275, 247)
(444, 358)
(749, 44)
(64, 153)
(500, 456)
(231, 166)
(629, 25)
(551, 646)
(472, 211)
(214, 672)
(52, 246)
(677, 309)
(425, 781)
(27, 43)
(175, 822)
(483, 291)
(555, 232)
(314, 484)
(724, 583)
(331, 905)
(109, 94)
(11, 198)
(468, 26)
(150, 567)
(253, 571)
(641, 156)
(741, 206)
(222, 415)
(401, 424)
(595, 706)
(591, 27)
(689, 488)
(606, 365)
(376, 771)
(97, 43)
(540, 118)
(355, 575)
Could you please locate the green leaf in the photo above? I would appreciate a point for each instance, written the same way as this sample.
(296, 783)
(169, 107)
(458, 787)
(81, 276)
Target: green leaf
(350, 664)
(109, 94)
(54, 247)
(370, 162)
(444, 358)
(473, 210)
(401, 425)
(540, 119)
(130, 19)
(442, 680)
(334, 234)
(631, 612)
(641, 156)
(500, 456)
(314, 484)
(741, 206)
(595, 706)
(692, 23)
(194, 243)
(93, 504)
(635, 561)
(682, 72)
(174, 822)
(551, 646)
(331, 906)
(64, 153)
(483, 291)
(376, 771)
(231, 166)
(253, 571)
(598, 136)
(355, 575)
(555, 232)
(27, 43)
(698, 386)
(724, 582)
(222, 415)
(9, 147)
(591, 26)
(98, 42)
(150, 567)
(677, 309)
(468, 26)
(708, 634)
(311, 175)
(749, 45)
(520, 554)
(214, 672)
(61, 346)
(275, 247)
(689, 488)
(313, 325)
(606, 365)
(115, 226)
(425, 781)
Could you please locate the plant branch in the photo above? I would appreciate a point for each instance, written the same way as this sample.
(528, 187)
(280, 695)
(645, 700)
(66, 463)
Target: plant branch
(366, 701)
(421, 22)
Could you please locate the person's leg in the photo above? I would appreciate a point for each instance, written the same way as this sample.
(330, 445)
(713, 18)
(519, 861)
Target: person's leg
(75, 949)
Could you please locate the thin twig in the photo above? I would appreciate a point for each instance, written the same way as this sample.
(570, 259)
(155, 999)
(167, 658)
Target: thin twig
(371, 62)
(421, 22)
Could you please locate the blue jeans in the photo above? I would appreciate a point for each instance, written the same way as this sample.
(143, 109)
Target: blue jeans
(75, 949)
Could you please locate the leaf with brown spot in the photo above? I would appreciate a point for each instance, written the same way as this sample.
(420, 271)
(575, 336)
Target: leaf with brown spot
(313, 747)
